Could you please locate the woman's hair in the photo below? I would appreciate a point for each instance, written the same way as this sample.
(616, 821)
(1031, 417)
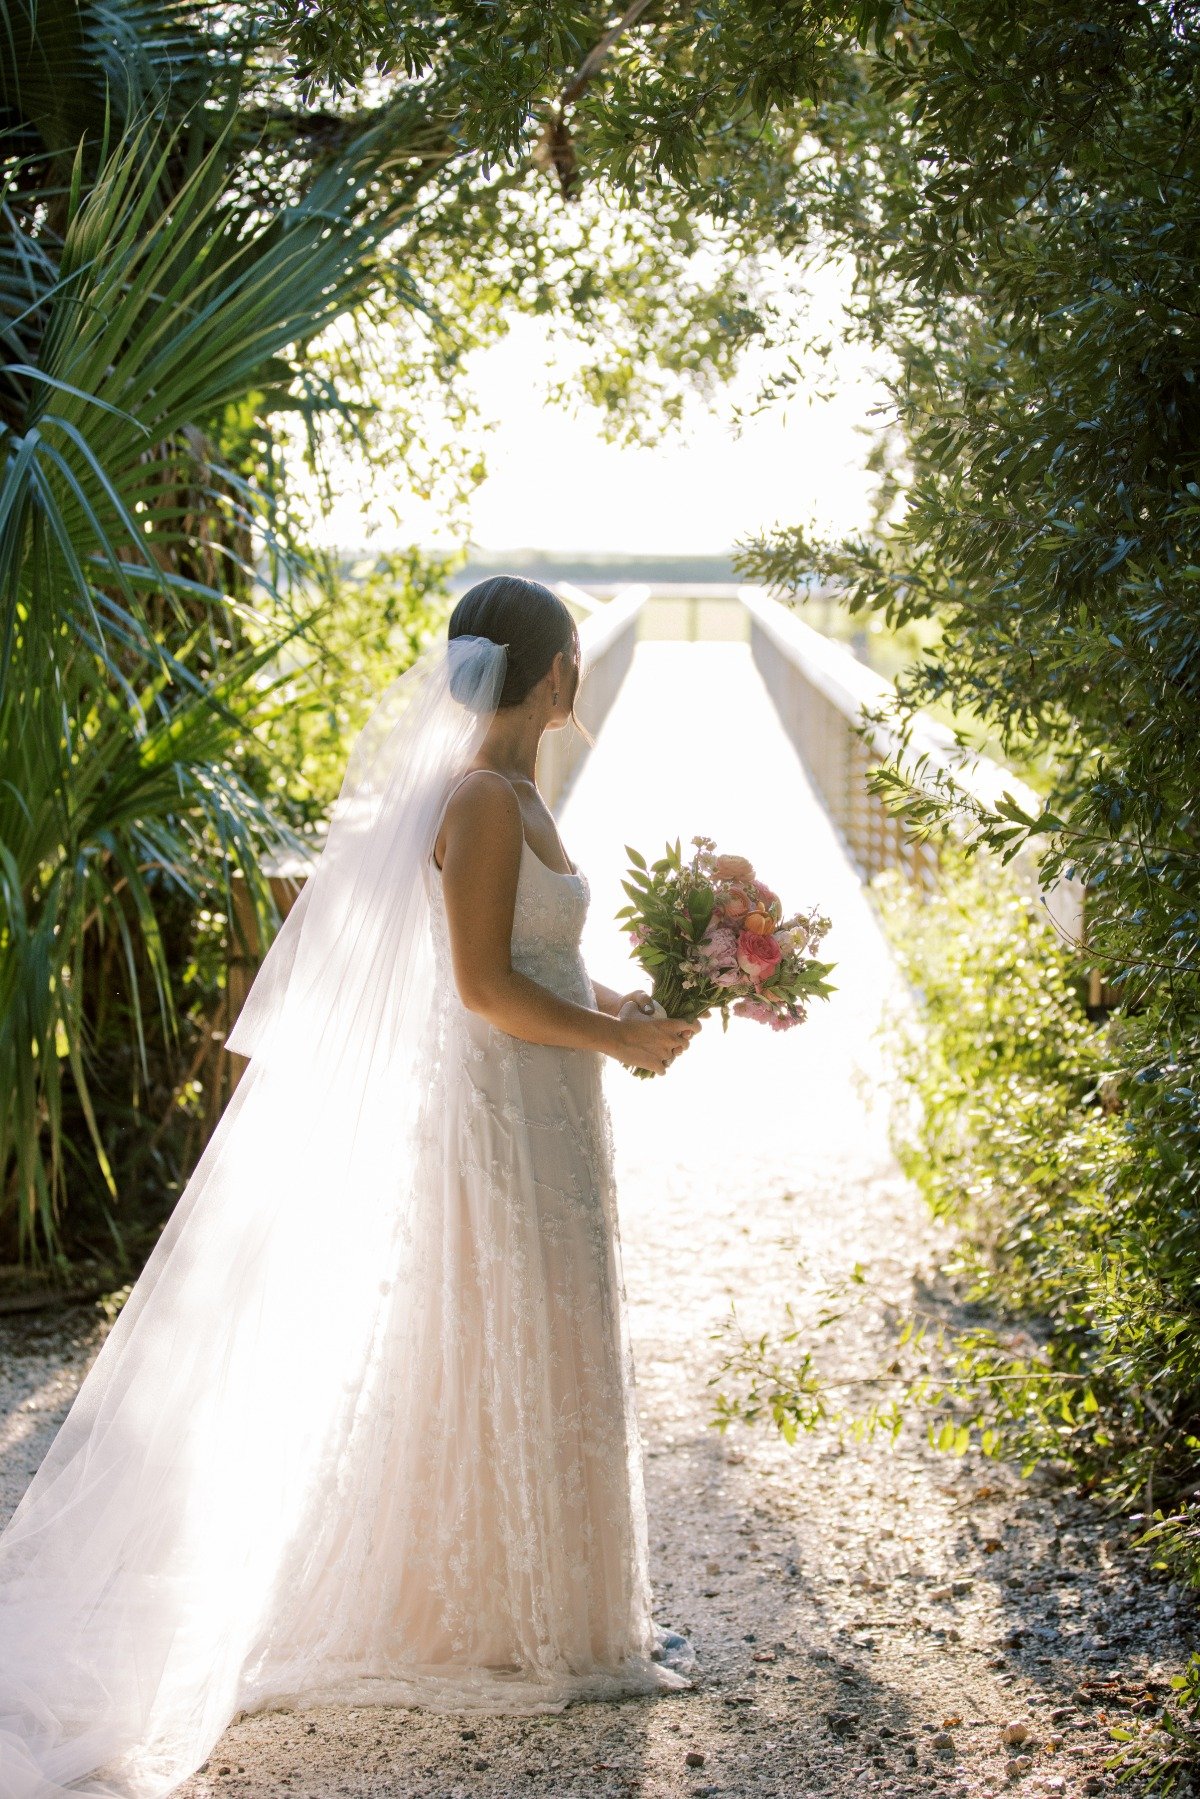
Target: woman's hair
(529, 619)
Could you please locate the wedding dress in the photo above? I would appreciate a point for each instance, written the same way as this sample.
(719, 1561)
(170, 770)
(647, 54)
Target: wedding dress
(496, 1546)
(364, 1431)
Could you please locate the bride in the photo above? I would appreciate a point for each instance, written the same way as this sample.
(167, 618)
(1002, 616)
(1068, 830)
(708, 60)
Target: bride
(364, 1431)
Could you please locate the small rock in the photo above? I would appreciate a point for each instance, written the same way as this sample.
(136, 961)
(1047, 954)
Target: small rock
(1015, 1732)
(1093, 1783)
(712, 1567)
(960, 1588)
(943, 1742)
(479, 1764)
(945, 1592)
(694, 1758)
(1055, 1783)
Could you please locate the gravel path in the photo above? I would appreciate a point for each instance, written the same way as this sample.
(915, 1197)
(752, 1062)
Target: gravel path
(866, 1619)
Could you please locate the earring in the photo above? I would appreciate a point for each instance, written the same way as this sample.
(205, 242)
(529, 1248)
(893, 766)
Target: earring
(555, 699)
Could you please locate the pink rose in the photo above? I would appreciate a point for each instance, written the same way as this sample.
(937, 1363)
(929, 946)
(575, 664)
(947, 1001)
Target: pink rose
(732, 868)
(758, 956)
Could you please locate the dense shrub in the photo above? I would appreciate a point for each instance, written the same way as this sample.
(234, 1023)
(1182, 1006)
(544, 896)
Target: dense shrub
(1065, 1150)
(1071, 1181)
(1066, 1171)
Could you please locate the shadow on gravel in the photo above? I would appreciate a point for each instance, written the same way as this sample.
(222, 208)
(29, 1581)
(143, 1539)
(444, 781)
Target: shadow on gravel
(778, 1710)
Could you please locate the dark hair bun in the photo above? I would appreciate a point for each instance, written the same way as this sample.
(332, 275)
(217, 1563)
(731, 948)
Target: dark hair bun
(527, 617)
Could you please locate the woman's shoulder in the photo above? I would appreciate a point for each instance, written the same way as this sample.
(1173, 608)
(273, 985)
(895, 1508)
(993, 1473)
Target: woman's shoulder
(484, 801)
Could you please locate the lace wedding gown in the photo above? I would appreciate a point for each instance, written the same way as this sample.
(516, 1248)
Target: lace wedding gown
(492, 1534)
(375, 1442)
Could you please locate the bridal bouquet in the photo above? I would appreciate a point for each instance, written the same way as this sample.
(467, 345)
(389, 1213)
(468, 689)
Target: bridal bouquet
(712, 935)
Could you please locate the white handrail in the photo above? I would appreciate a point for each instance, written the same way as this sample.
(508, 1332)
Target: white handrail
(606, 641)
(597, 633)
(854, 691)
(586, 602)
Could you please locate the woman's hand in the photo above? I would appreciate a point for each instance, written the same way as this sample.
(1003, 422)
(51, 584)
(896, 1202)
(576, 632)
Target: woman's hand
(652, 1040)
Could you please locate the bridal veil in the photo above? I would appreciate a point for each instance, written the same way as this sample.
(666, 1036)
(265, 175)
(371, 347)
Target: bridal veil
(142, 1563)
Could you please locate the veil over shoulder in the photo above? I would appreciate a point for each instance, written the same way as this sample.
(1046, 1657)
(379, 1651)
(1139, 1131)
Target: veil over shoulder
(141, 1565)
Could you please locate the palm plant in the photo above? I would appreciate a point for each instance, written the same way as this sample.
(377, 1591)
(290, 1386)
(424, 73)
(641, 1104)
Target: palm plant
(136, 635)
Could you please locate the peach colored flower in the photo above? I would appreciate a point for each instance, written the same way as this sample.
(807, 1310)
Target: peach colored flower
(758, 956)
(735, 903)
(761, 923)
(732, 868)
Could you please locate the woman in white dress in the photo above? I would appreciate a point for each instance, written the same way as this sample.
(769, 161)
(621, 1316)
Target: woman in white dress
(364, 1432)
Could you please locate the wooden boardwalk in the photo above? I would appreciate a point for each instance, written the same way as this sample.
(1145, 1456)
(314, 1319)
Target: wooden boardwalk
(693, 746)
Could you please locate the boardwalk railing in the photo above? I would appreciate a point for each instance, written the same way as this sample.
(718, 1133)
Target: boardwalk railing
(606, 640)
(824, 695)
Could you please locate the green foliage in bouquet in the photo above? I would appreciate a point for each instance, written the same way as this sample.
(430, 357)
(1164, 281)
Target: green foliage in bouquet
(672, 905)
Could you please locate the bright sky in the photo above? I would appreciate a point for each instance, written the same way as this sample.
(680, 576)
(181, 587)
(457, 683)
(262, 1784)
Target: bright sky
(556, 484)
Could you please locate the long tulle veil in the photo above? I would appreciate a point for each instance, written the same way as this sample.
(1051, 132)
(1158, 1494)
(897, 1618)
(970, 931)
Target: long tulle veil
(141, 1566)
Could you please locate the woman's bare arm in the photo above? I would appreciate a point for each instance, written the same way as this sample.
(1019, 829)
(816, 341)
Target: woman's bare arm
(481, 862)
(607, 998)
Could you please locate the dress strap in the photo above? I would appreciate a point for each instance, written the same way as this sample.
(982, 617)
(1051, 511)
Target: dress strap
(572, 871)
(450, 796)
